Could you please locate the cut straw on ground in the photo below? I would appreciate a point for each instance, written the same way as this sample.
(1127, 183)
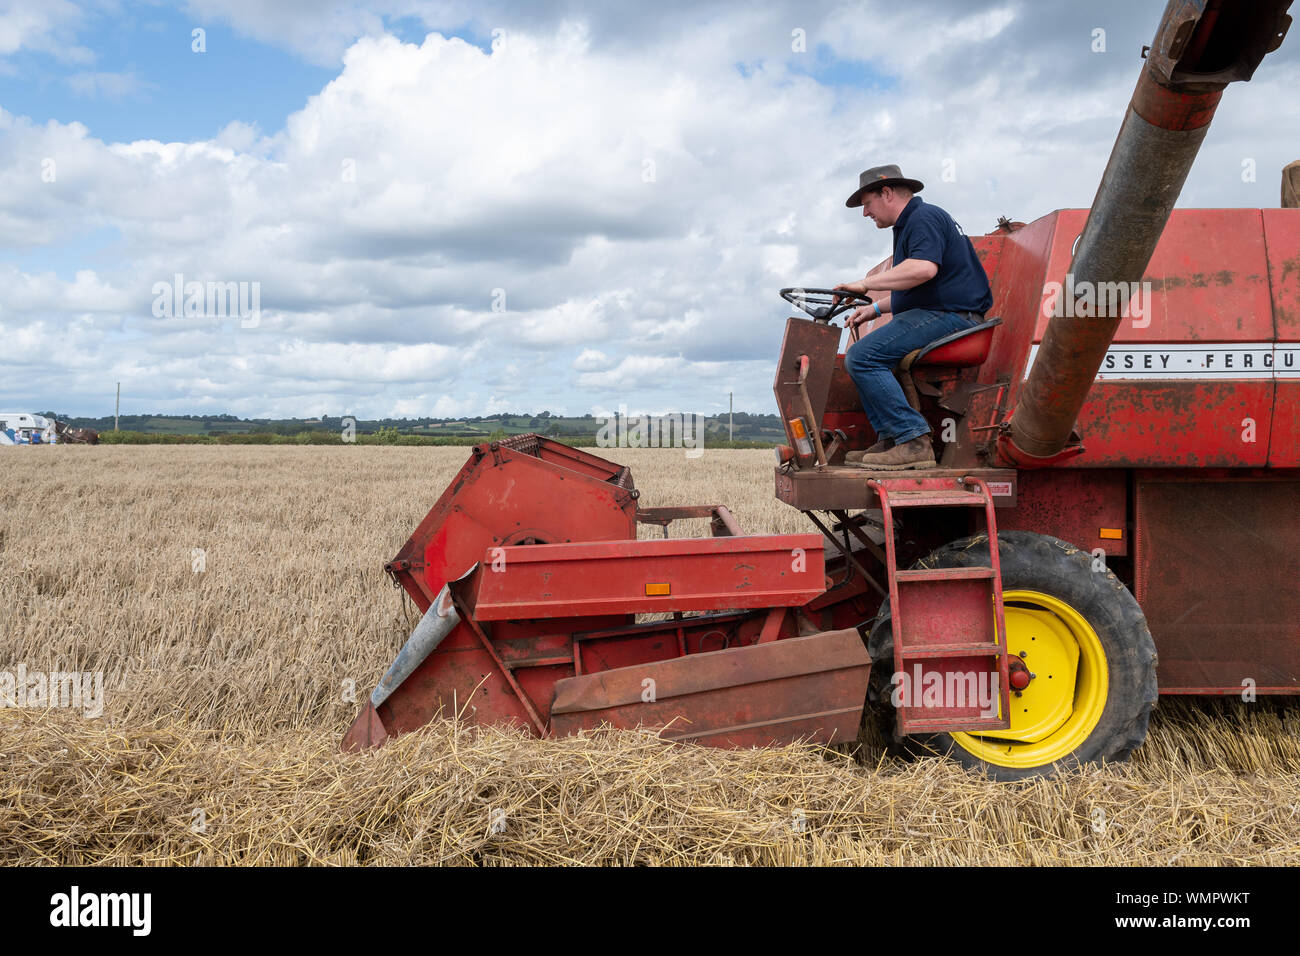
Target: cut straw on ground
(228, 688)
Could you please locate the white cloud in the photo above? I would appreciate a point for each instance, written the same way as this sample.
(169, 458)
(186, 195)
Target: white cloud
(590, 360)
(383, 218)
(44, 25)
(109, 86)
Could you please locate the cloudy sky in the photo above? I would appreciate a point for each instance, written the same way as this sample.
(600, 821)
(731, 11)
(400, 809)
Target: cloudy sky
(459, 208)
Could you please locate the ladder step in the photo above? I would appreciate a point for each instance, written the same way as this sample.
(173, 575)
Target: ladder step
(947, 604)
(935, 726)
(935, 499)
(920, 652)
(944, 574)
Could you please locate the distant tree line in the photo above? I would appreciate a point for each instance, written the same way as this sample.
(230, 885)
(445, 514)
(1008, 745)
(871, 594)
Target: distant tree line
(747, 426)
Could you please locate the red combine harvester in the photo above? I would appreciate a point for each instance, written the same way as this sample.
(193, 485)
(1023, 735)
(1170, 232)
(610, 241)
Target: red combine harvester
(1118, 459)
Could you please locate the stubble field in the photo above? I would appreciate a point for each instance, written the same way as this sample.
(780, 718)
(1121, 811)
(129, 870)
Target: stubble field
(224, 702)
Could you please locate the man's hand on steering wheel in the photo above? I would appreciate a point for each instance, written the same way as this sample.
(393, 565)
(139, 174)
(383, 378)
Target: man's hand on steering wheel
(824, 304)
(859, 287)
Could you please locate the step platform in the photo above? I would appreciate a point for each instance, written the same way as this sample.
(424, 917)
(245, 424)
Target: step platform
(848, 487)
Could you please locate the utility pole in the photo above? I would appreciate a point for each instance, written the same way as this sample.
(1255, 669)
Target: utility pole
(118, 407)
(731, 397)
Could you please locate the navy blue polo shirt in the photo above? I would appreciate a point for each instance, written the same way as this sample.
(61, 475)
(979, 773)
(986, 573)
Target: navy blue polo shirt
(927, 232)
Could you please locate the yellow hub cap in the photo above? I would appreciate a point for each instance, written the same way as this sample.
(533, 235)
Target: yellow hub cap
(1055, 714)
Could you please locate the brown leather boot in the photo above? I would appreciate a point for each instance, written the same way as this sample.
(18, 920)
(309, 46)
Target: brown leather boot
(917, 453)
(856, 456)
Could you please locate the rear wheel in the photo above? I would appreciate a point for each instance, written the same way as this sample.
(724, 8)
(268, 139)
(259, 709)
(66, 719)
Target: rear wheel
(1081, 634)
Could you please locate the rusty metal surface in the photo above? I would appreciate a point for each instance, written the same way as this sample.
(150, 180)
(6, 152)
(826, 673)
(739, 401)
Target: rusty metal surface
(697, 574)
(809, 687)
(819, 342)
(366, 732)
(845, 488)
(527, 487)
(505, 672)
(1073, 505)
(1284, 429)
(969, 699)
(1209, 279)
(948, 609)
(1203, 424)
(1282, 239)
(1204, 44)
(1282, 250)
(1217, 561)
(1218, 281)
(721, 520)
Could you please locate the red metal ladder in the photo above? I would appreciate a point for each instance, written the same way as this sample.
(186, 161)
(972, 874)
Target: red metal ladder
(949, 627)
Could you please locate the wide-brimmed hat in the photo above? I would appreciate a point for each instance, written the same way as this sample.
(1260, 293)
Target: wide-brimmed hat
(878, 177)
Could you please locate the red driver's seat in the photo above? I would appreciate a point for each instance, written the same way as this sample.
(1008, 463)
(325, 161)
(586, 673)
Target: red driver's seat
(961, 349)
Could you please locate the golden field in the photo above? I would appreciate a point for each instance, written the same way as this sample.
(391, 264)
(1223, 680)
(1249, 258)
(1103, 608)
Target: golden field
(224, 702)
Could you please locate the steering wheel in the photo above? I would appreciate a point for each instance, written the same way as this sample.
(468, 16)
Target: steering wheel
(818, 302)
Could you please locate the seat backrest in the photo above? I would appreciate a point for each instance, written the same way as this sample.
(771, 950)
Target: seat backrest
(962, 349)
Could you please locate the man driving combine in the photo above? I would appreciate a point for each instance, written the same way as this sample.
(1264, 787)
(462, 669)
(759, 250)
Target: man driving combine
(935, 287)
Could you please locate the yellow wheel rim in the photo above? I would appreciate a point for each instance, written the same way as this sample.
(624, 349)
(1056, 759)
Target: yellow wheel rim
(1061, 706)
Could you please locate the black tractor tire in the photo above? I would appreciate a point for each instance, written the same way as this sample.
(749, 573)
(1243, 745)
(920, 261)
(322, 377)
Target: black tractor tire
(1037, 562)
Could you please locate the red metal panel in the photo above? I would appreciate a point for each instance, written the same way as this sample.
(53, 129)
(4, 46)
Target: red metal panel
(1176, 424)
(540, 489)
(1217, 561)
(950, 693)
(1209, 278)
(1073, 505)
(989, 249)
(1282, 235)
(701, 574)
(947, 611)
(1017, 286)
(819, 342)
(1217, 276)
(804, 687)
(1282, 238)
(1284, 434)
(845, 488)
(1066, 226)
(1017, 283)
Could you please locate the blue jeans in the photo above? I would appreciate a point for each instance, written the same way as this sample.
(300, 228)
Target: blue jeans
(870, 362)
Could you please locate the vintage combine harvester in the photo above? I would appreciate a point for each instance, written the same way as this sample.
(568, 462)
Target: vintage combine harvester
(1113, 466)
